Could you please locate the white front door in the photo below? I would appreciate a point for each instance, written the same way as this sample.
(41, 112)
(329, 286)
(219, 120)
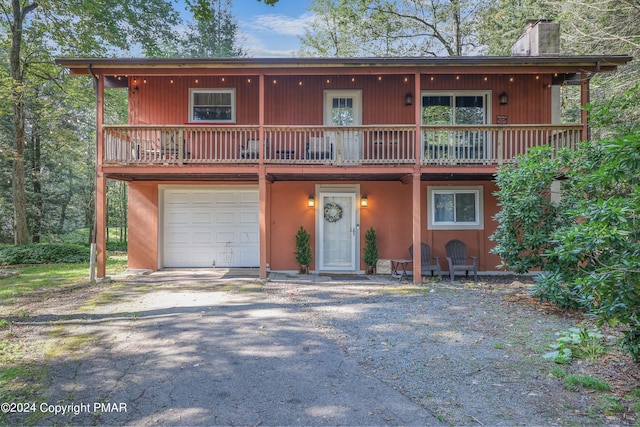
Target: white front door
(343, 108)
(338, 231)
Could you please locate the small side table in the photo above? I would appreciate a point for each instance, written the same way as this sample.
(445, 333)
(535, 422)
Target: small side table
(399, 268)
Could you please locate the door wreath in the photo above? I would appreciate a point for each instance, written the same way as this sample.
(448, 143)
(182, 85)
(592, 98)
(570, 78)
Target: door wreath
(332, 212)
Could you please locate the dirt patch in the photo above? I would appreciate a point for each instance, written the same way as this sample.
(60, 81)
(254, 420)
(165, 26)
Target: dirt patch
(470, 354)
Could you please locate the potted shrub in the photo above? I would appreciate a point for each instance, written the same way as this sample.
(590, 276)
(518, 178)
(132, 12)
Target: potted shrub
(303, 250)
(370, 254)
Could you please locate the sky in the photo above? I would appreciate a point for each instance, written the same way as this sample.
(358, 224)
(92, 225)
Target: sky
(271, 31)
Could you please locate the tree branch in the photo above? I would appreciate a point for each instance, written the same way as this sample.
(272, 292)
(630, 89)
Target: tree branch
(28, 9)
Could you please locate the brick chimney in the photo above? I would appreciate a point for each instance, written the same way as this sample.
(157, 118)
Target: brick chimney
(541, 38)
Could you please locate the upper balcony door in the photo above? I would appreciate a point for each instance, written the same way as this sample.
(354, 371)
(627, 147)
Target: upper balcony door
(463, 111)
(343, 108)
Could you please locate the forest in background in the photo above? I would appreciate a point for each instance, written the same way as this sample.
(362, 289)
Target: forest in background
(47, 119)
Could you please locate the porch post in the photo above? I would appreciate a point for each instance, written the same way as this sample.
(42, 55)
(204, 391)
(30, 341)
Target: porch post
(584, 100)
(417, 235)
(101, 223)
(417, 173)
(262, 181)
(101, 186)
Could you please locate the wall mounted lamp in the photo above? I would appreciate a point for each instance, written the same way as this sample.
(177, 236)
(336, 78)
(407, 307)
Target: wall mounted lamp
(408, 99)
(311, 201)
(364, 202)
(503, 98)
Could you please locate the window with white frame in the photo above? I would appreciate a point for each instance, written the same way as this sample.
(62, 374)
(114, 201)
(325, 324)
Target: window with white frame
(212, 105)
(455, 108)
(455, 208)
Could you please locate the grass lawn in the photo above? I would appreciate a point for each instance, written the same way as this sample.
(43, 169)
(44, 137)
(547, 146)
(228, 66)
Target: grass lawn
(22, 378)
(39, 277)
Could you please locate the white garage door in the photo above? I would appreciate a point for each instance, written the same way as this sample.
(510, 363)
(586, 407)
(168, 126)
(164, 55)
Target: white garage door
(211, 227)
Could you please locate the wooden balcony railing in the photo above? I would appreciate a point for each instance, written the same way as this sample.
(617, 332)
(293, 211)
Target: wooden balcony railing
(492, 144)
(356, 145)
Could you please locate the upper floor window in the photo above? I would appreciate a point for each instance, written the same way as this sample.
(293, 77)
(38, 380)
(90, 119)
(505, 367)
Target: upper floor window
(455, 108)
(212, 105)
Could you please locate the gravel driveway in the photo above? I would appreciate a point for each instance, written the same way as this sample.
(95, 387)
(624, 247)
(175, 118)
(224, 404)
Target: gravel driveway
(238, 351)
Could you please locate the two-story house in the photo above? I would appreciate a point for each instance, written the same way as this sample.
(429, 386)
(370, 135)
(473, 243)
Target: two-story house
(225, 159)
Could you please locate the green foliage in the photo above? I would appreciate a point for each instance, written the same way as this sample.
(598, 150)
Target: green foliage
(619, 114)
(47, 253)
(381, 28)
(370, 254)
(576, 342)
(588, 245)
(527, 218)
(214, 34)
(575, 381)
(303, 247)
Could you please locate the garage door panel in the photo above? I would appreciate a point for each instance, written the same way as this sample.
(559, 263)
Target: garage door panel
(224, 237)
(248, 197)
(201, 218)
(177, 238)
(191, 258)
(202, 237)
(214, 226)
(248, 217)
(226, 217)
(224, 198)
(246, 237)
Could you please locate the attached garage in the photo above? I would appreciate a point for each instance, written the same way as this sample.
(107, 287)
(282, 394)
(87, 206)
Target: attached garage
(210, 226)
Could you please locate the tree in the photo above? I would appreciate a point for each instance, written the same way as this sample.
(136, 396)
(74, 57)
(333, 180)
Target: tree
(393, 27)
(30, 29)
(213, 36)
(502, 24)
(587, 246)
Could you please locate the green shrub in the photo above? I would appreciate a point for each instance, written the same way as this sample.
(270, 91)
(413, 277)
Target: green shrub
(303, 247)
(47, 253)
(574, 342)
(587, 244)
(586, 381)
(117, 246)
(370, 255)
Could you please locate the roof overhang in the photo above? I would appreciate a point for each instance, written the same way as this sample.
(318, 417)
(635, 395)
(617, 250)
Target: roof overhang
(269, 66)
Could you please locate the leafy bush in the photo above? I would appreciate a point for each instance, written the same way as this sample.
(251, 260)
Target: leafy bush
(575, 342)
(588, 244)
(117, 246)
(303, 247)
(47, 253)
(370, 254)
(527, 218)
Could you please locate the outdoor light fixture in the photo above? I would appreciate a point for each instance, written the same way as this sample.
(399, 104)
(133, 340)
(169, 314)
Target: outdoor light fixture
(408, 99)
(503, 98)
(310, 201)
(364, 202)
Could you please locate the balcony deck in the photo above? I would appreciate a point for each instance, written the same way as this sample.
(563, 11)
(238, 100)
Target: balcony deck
(356, 146)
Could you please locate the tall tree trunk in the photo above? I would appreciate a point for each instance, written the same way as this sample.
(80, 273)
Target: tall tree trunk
(38, 200)
(457, 36)
(64, 204)
(20, 232)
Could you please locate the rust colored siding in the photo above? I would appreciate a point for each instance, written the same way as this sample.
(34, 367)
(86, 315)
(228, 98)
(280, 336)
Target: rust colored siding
(159, 101)
(529, 97)
(143, 226)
